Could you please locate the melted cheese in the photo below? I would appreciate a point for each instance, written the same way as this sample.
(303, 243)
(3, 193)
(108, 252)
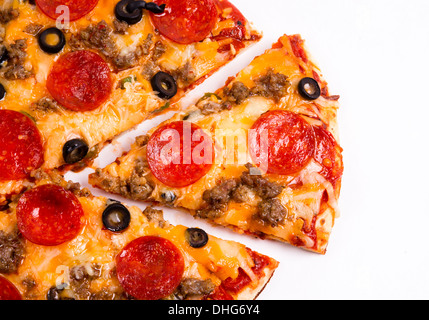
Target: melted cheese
(50, 266)
(125, 108)
(229, 130)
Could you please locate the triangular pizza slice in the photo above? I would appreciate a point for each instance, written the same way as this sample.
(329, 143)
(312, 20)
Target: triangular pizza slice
(260, 155)
(85, 71)
(81, 247)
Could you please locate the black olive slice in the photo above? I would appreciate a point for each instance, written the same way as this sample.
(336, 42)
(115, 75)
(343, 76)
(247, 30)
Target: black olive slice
(153, 7)
(56, 293)
(168, 196)
(116, 217)
(52, 40)
(75, 150)
(164, 84)
(129, 11)
(4, 54)
(309, 89)
(197, 238)
(2, 92)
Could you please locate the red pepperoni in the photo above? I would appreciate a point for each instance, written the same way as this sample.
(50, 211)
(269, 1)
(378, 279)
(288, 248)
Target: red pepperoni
(328, 154)
(49, 215)
(77, 8)
(8, 291)
(219, 293)
(243, 280)
(186, 21)
(150, 268)
(21, 146)
(180, 153)
(282, 142)
(80, 80)
(238, 32)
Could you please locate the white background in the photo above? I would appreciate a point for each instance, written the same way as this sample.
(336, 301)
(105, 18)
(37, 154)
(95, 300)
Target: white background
(375, 55)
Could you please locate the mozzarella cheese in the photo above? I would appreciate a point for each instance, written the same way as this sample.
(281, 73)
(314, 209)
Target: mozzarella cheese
(125, 108)
(50, 266)
(132, 106)
(229, 130)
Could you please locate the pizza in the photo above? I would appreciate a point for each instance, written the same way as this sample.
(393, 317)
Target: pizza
(92, 248)
(85, 71)
(260, 155)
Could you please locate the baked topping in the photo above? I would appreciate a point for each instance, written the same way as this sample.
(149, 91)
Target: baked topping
(238, 190)
(116, 217)
(191, 287)
(74, 151)
(271, 212)
(131, 11)
(8, 15)
(309, 89)
(164, 85)
(12, 252)
(180, 153)
(76, 8)
(155, 216)
(168, 196)
(185, 21)
(2, 92)
(150, 268)
(197, 238)
(16, 56)
(80, 286)
(262, 186)
(99, 37)
(281, 142)
(33, 28)
(218, 197)
(211, 103)
(328, 154)
(129, 14)
(184, 75)
(95, 36)
(272, 86)
(57, 219)
(137, 187)
(22, 146)
(120, 27)
(52, 40)
(8, 291)
(238, 92)
(80, 81)
(4, 55)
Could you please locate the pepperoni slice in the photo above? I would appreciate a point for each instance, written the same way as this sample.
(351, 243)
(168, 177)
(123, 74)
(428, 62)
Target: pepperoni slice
(328, 154)
(180, 153)
(21, 146)
(8, 291)
(49, 215)
(77, 8)
(282, 142)
(186, 21)
(219, 293)
(150, 268)
(238, 32)
(80, 80)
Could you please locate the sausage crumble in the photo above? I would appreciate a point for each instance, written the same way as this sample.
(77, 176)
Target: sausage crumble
(270, 210)
(272, 86)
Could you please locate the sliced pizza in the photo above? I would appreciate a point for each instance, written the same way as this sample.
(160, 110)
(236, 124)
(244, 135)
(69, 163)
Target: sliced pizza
(260, 155)
(85, 71)
(83, 247)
